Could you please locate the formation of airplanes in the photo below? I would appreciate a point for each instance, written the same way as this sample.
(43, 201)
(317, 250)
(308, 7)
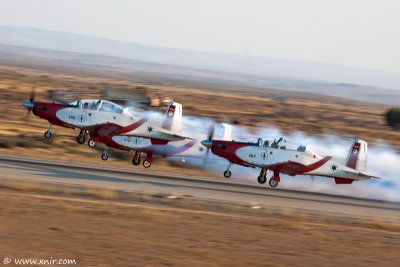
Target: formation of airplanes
(102, 121)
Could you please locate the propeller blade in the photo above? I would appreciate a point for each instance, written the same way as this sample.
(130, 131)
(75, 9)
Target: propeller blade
(33, 95)
(207, 143)
(210, 134)
(28, 114)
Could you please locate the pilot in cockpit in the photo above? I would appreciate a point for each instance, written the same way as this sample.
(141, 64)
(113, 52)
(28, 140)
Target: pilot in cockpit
(93, 106)
(260, 142)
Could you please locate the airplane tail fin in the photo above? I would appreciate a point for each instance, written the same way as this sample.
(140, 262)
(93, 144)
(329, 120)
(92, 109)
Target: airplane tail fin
(357, 156)
(173, 117)
(222, 131)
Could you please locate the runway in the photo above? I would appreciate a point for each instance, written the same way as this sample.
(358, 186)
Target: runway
(221, 190)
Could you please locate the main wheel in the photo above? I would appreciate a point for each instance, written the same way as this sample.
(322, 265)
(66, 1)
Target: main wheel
(136, 161)
(91, 143)
(261, 179)
(146, 164)
(227, 174)
(104, 156)
(80, 139)
(273, 182)
(47, 134)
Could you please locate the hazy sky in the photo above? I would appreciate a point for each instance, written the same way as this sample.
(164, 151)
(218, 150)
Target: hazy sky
(361, 33)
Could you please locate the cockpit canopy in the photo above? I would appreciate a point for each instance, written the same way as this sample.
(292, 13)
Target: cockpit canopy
(97, 104)
(280, 143)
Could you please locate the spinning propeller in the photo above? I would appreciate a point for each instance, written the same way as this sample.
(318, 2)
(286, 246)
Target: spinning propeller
(208, 142)
(29, 104)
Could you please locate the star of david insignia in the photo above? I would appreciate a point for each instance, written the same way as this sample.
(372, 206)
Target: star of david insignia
(201, 149)
(334, 168)
(150, 129)
(264, 155)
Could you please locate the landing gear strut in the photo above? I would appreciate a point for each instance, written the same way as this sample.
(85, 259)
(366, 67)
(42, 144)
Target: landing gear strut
(136, 159)
(149, 159)
(274, 181)
(262, 178)
(48, 134)
(104, 156)
(81, 137)
(228, 173)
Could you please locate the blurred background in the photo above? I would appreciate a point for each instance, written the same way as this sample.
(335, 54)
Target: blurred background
(317, 72)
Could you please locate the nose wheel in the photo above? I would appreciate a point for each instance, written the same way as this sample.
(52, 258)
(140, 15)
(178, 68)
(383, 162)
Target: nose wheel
(48, 134)
(228, 173)
(104, 156)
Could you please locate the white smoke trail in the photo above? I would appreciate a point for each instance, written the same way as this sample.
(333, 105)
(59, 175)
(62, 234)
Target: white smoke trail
(382, 162)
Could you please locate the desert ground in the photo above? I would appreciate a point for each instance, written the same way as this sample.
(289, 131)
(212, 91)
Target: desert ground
(97, 227)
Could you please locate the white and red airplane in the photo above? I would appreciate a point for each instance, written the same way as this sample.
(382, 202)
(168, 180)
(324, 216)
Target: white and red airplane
(279, 156)
(101, 120)
(140, 144)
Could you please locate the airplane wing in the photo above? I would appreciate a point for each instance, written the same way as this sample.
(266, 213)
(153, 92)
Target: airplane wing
(170, 134)
(105, 129)
(287, 167)
(162, 135)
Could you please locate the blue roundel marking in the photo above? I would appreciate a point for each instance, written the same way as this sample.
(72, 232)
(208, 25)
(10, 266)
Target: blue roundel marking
(264, 155)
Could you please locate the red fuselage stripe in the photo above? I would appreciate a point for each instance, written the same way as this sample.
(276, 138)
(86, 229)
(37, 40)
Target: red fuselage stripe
(315, 165)
(132, 126)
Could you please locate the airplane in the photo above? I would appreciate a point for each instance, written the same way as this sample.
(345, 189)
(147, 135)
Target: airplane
(97, 117)
(279, 156)
(151, 146)
(188, 148)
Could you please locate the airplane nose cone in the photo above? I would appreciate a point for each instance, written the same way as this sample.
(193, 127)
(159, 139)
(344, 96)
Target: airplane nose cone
(206, 143)
(28, 105)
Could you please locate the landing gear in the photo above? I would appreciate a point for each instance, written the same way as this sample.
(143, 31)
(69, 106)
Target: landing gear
(104, 156)
(146, 164)
(91, 143)
(274, 181)
(228, 173)
(149, 159)
(81, 137)
(48, 134)
(136, 159)
(262, 178)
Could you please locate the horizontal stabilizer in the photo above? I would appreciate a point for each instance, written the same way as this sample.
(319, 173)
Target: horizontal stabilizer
(362, 174)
